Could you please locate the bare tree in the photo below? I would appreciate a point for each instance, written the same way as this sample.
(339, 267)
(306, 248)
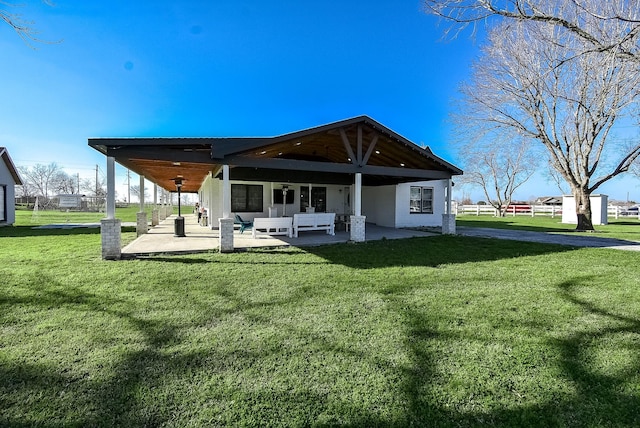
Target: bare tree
(65, 183)
(43, 179)
(25, 190)
(498, 167)
(523, 84)
(587, 20)
(24, 28)
(135, 189)
(98, 190)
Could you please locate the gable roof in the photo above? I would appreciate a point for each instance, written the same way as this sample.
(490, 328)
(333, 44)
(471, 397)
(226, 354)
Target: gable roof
(329, 154)
(4, 154)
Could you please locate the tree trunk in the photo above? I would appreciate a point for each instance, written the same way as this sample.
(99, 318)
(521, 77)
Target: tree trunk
(583, 210)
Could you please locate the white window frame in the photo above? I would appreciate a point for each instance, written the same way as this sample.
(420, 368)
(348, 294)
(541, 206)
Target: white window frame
(418, 206)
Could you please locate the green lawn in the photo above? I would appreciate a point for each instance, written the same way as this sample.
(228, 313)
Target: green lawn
(442, 331)
(622, 228)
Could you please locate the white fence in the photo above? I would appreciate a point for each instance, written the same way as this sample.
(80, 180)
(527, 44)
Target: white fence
(534, 210)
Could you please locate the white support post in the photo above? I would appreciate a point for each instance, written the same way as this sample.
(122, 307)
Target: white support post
(141, 217)
(271, 195)
(448, 218)
(110, 226)
(111, 187)
(357, 230)
(226, 192)
(448, 209)
(141, 193)
(358, 194)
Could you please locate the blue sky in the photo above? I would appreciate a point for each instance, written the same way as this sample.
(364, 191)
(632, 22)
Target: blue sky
(225, 68)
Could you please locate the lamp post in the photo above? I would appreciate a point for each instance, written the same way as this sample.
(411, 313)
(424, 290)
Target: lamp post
(285, 189)
(179, 221)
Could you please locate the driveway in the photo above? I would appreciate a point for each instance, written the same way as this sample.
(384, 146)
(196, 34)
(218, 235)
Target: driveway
(550, 238)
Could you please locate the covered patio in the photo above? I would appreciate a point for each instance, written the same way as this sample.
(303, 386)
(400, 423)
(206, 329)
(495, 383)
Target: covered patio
(199, 239)
(345, 157)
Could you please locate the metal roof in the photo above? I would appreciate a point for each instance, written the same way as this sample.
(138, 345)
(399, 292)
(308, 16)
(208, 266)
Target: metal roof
(330, 153)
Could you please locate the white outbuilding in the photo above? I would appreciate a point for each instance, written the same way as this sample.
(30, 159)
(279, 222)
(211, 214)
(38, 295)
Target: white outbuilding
(9, 178)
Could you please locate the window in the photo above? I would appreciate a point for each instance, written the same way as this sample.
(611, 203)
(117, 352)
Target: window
(278, 198)
(246, 198)
(318, 198)
(421, 200)
(3, 203)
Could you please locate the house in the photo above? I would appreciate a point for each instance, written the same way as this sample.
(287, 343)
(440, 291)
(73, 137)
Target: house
(9, 178)
(549, 200)
(356, 168)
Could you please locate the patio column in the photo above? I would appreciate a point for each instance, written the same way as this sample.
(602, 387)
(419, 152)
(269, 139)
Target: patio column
(111, 187)
(162, 214)
(154, 213)
(448, 218)
(110, 226)
(358, 194)
(358, 220)
(141, 216)
(226, 192)
(226, 222)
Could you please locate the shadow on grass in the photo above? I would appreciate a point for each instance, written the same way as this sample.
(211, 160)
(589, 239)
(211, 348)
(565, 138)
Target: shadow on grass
(133, 390)
(505, 223)
(29, 231)
(432, 251)
(138, 388)
(600, 399)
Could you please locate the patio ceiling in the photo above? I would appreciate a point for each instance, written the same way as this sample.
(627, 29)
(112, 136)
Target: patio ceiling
(329, 154)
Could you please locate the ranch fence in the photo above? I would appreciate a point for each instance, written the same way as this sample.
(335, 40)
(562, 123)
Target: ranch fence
(614, 211)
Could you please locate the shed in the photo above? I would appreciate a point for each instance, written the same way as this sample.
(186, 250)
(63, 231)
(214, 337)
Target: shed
(9, 178)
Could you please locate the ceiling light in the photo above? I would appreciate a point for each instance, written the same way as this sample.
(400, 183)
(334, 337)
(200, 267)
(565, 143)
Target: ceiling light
(263, 152)
(377, 152)
(176, 163)
(401, 164)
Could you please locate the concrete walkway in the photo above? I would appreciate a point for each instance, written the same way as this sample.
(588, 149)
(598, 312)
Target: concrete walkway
(550, 238)
(161, 239)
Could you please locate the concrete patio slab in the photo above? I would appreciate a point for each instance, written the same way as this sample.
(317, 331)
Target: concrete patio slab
(161, 239)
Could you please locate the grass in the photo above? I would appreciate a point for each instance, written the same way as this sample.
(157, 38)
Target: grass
(622, 228)
(441, 331)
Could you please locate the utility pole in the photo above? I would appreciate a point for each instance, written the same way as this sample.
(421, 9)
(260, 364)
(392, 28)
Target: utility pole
(96, 182)
(128, 186)
(78, 180)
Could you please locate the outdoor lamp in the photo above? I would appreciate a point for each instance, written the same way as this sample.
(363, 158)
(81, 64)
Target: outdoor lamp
(179, 221)
(285, 189)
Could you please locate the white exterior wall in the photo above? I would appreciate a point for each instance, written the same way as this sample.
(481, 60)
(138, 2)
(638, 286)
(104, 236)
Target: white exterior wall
(378, 205)
(389, 205)
(382, 205)
(403, 216)
(210, 194)
(6, 180)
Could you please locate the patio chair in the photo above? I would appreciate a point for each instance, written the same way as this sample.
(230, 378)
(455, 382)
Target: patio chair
(244, 225)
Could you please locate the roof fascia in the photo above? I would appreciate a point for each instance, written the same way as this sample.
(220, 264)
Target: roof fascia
(346, 168)
(4, 153)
